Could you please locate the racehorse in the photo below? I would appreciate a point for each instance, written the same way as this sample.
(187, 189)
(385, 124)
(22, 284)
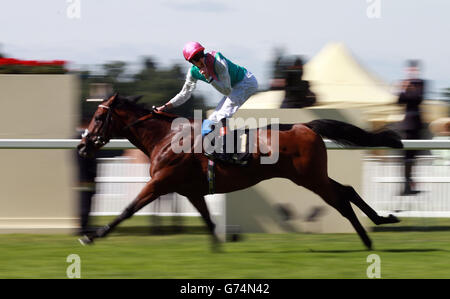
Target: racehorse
(302, 159)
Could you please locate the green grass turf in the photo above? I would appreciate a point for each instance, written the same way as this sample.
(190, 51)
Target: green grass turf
(132, 253)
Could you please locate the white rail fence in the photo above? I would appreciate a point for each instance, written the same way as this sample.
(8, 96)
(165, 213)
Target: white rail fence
(383, 181)
(125, 144)
(119, 181)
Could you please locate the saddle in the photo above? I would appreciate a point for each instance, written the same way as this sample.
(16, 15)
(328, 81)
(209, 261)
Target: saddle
(220, 152)
(239, 156)
(236, 153)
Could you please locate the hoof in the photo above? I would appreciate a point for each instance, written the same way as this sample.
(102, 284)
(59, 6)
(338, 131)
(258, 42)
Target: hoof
(387, 220)
(86, 241)
(234, 237)
(392, 219)
(216, 248)
(216, 245)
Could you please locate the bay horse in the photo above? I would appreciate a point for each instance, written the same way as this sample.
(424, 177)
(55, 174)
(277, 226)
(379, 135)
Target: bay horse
(302, 159)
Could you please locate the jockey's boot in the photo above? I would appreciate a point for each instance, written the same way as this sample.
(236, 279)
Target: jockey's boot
(212, 156)
(219, 155)
(223, 155)
(229, 157)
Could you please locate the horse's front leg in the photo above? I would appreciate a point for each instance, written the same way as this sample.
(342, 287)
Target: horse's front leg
(151, 191)
(200, 204)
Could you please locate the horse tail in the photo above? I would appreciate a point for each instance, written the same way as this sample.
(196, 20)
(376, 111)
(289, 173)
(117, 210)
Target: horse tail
(347, 134)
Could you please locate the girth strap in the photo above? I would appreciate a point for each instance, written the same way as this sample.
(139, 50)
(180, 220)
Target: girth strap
(211, 177)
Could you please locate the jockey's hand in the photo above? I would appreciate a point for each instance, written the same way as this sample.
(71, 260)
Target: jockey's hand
(205, 73)
(164, 107)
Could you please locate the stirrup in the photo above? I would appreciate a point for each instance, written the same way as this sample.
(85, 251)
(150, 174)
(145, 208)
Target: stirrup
(210, 156)
(234, 158)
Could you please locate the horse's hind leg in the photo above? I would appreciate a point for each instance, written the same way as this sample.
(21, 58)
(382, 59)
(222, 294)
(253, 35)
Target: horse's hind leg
(348, 213)
(199, 203)
(354, 197)
(331, 196)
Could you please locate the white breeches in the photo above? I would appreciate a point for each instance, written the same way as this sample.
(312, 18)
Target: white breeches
(240, 93)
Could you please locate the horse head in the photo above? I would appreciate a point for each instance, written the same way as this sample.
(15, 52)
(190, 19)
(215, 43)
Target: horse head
(114, 117)
(101, 128)
(98, 133)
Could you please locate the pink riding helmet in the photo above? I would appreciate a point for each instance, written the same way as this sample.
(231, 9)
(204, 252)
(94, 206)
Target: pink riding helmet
(190, 49)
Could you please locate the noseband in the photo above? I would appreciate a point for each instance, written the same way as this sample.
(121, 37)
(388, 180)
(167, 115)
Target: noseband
(102, 139)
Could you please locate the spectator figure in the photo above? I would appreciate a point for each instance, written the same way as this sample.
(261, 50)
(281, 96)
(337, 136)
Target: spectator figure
(411, 95)
(298, 93)
(86, 173)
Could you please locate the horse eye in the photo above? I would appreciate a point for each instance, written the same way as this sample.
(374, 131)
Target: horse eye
(98, 118)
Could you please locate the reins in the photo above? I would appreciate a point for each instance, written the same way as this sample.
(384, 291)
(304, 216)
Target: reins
(146, 117)
(142, 118)
(104, 139)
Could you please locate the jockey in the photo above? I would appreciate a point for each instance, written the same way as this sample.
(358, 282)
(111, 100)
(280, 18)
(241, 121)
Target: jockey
(233, 81)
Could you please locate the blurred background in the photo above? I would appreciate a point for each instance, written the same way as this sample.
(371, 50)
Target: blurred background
(375, 64)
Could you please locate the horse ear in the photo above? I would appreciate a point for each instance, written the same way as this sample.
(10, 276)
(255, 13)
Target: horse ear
(135, 98)
(113, 98)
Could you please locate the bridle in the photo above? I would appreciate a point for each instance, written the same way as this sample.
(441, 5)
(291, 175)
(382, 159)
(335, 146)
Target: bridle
(101, 139)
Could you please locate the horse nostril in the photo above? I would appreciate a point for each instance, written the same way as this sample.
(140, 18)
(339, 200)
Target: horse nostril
(81, 148)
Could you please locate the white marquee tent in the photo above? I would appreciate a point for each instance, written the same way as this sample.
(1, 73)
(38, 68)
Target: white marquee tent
(337, 79)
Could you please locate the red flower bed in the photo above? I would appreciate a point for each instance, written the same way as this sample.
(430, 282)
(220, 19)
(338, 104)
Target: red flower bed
(13, 61)
(18, 66)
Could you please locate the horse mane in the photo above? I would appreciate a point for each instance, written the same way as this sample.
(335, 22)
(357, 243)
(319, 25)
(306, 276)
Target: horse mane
(142, 109)
(125, 102)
